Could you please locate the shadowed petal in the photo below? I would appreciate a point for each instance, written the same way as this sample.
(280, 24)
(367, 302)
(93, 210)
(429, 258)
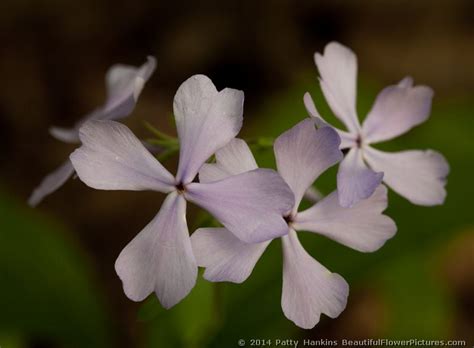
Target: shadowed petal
(206, 121)
(232, 159)
(303, 153)
(309, 289)
(124, 84)
(396, 110)
(362, 227)
(347, 139)
(160, 257)
(355, 181)
(51, 183)
(312, 111)
(251, 205)
(66, 135)
(419, 176)
(225, 257)
(112, 158)
(338, 70)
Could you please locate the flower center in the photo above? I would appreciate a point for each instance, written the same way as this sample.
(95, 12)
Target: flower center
(358, 141)
(289, 219)
(180, 188)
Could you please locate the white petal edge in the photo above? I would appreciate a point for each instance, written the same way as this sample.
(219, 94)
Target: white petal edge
(309, 289)
(338, 70)
(124, 84)
(362, 227)
(66, 135)
(112, 158)
(160, 258)
(51, 183)
(419, 176)
(225, 257)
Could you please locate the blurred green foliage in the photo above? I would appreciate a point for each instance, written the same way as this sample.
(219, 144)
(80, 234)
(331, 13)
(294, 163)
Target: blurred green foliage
(48, 291)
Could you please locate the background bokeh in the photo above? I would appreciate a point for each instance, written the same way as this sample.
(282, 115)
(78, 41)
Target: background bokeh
(58, 287)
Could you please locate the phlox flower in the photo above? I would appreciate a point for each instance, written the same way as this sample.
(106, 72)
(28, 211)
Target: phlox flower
(309, 289)
(419, 176)
(250, 205)
(124, 84)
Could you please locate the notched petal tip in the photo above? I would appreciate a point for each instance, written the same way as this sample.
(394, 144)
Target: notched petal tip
(406, 82)
(160, 258)
(338, 70)
(206, 120)
(309, 289)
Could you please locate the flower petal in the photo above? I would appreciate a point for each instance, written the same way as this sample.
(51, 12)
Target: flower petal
(338, 70)
(303, 153)
(419, 176)
(347, 139)
(396, 110)
(232, 159)
(51, 183)
(309, 289)
(312, 111)
(160, 257)
(251, 205)
(112, 158)
(66, 135)
(225, 257)
(362, 227)
(206, 121)
(355, 181)
(124, 84)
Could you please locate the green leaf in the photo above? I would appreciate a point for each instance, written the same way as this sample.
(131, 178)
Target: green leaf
(418, 304)
(47, 287)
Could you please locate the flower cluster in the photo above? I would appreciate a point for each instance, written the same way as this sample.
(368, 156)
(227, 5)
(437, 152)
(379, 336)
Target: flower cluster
(253, 205)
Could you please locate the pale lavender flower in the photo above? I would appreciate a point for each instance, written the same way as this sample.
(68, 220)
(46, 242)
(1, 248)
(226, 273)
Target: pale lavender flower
(250, 204)
(124, 84)
(309, 289)
(419, 176)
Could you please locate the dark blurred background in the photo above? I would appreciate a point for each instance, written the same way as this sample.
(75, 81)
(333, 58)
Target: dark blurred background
(58, 287)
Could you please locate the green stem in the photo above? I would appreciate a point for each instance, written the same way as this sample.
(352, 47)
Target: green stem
(159, 133)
